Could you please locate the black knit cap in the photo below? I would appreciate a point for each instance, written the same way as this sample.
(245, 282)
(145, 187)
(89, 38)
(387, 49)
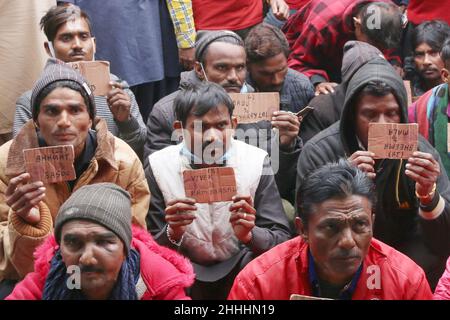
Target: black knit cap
(104, 203)
(55, 71)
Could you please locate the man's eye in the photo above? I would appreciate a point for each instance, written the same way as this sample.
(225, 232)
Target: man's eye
(51, 112)
(66, 38)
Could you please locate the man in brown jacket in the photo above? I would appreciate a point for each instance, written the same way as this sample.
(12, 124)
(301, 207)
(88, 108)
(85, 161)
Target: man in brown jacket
(63, 110)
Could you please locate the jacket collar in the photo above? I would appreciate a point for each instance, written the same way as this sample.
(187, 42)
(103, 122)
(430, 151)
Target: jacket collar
(27, 139)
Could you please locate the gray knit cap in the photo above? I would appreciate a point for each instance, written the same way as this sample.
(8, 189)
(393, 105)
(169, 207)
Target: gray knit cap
(104, 203)
(56, 70)
(206, 37)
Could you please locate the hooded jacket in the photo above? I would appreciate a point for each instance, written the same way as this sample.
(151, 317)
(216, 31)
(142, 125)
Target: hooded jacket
(328, 107)
(398, 220)
(165, 273)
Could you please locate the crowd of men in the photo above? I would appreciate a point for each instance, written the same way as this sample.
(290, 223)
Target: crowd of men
(312, 212)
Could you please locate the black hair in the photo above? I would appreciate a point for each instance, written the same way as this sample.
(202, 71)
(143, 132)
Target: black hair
(445, 53)
(332, 181)
(64, 84)
(58, 15)
(387, 34)
(433, 33)
(200, 99)
(265, 41)
(377, 88)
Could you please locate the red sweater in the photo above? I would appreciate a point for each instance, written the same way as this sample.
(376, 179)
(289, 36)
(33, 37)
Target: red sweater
(386, 275)
(226, 14)
(423, 10)
(296, 4)
(165, 272)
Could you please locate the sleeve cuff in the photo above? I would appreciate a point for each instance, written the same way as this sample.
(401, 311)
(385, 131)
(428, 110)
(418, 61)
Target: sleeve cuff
(436, 212)
(43, 228)
(127, 127)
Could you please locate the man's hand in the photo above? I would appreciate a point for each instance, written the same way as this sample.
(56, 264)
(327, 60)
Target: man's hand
(23, 197)
(178, 216)
(424, 170)
(325, 88)
(280, 9)
(289, 125)
(364, 161)
(119, 102)
(243, 217)
(187, 58)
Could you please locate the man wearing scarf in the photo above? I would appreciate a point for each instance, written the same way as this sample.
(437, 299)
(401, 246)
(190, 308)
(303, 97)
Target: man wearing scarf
(413, 197)
(432, 111)
(96, 254)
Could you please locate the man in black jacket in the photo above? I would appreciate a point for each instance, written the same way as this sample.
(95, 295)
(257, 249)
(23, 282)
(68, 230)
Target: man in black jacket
(413, 210)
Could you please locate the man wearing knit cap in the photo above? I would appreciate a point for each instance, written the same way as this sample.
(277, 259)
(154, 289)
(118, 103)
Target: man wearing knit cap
(63, 112)
(101, 256)
(220, 58)
(69, 35)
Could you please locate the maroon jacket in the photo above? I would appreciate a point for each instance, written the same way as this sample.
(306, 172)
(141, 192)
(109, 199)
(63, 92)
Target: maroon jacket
(165, 273)
(386, 275)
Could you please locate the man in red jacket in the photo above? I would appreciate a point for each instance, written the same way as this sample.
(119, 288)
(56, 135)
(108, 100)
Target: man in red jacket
(335, 256)
(101, 256)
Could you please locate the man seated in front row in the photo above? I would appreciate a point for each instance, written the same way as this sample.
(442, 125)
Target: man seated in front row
(335, 255)
(98, 255)
(63, 111)
(218, 237)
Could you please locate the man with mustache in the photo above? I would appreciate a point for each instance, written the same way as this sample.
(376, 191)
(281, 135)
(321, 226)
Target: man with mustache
(68, 30)
(219, 237)
(427, 41)
(96, 254)
(335, 256)
(220, 58)
(63, 113)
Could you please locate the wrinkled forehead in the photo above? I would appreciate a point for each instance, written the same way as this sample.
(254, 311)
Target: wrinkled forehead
(219, 50)
(343, 208)
(75, 24)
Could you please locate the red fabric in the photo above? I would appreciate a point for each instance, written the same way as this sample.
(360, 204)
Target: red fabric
(420, 11)
(417, 113)
(296, 4)
(442, 291)
(317, 34)
(226, 14)
(283, 270)
(165, 272)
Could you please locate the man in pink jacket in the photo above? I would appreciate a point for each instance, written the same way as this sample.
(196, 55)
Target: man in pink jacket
(335, 256)
(442, 291)
(96, 254)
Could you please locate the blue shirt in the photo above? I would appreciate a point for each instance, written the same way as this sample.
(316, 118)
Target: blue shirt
(135, 36)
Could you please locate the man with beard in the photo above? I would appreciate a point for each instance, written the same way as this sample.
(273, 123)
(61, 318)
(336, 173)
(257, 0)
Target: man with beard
(220, 237)
(68, 30)
(427, 41)
(220, 58)
(267, 51)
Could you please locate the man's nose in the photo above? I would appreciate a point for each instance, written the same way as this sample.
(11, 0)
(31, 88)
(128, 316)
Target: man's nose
(427, 59)
(233, 75)
(88, 256)
(346, 241)
(64, 120)
(277, 79)
(76, 43)
(381, 119)
(212, 135)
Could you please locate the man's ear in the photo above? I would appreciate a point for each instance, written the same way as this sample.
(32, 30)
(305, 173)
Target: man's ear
(234, 122)
(47, 49)
(198, 70)
(357, 23)
(444, 75)
(94, 44)
(301, 229)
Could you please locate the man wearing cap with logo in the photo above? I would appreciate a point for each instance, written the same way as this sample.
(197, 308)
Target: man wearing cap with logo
(63, 111)
(97, 254)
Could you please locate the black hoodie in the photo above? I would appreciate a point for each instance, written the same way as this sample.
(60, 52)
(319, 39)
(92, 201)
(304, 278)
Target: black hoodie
(397, 221)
